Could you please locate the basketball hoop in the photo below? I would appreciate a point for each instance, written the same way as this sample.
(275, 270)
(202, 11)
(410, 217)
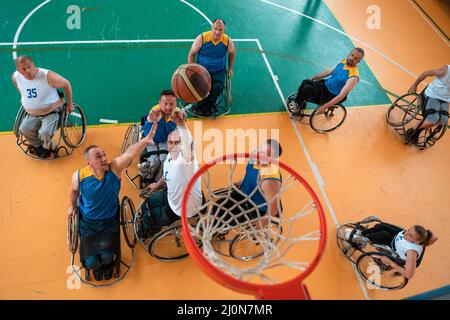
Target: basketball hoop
(269, 257)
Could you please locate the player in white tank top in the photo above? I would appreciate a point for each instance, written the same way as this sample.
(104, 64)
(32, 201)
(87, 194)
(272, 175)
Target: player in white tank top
(409, 245)
(438, 99)
(37, 87)
(39, 97)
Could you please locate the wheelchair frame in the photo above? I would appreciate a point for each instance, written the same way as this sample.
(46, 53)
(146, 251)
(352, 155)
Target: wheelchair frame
(151, 244)
(329, 113)
(58, 137)
(412, 118)
(132, 135)
(221, 107)
(348, 248)
(125, 218)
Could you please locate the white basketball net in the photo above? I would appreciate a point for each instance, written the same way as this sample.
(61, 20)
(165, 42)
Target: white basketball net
(258, 249)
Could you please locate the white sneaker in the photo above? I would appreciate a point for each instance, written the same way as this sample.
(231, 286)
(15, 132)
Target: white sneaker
(293, 107)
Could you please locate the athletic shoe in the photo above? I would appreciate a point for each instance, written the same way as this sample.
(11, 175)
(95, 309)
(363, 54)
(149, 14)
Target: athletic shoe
(35, 151)
(45, 153)
(412, 135)
(108, 271)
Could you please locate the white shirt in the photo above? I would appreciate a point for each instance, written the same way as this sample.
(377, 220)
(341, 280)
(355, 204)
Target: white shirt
(402, 246)
(38, 97)
(177, 174)
(440, 87)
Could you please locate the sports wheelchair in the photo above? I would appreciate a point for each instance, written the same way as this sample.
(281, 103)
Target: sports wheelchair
(111, 241)
(165, 245)
(220, 108)
(149, 167)
(71, 127)
(328, 121)
(365, 257)
(408, 113)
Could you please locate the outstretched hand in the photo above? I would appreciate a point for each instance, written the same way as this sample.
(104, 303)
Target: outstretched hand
(149, 138)
(179, 117)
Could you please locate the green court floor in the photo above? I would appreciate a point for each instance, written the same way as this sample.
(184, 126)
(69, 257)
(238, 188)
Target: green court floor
(122, 80)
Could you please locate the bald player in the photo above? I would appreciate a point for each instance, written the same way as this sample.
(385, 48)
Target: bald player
(42, 103)
(211, 49)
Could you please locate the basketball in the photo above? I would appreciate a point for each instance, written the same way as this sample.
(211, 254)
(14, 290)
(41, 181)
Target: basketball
(191, 82)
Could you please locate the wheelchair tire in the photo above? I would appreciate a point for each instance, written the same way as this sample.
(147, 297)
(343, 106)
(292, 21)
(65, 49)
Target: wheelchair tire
(404, 109)
(131, 137)
(73, 128)
(328, 121)
(378, 274)
(73, 232)
(344, 246)
(19, 118)
(168, 245)
(243, 248)
(127, 213)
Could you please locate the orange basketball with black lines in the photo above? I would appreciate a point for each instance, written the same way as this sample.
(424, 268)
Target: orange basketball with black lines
(191, 82)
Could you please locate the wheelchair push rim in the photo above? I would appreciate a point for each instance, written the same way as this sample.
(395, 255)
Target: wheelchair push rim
(404, 109)
(131, 137)
(73, 129)
(343, 244)
(72, 232)
(378, 274)
(127, 218)
(328, 121)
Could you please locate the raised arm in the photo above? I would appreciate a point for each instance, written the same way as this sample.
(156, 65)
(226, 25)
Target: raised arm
(124, 160)
(231, 57)
(195, 49)
(440, 72)
(74, 193)
(187, 143)
(56, 81)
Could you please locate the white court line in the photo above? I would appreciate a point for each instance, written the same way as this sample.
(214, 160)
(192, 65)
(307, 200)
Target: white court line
(313, 165)
(198, 10)
(429, 22)
(19, 29)
(345, 34)
(35, 43)
(108, 121)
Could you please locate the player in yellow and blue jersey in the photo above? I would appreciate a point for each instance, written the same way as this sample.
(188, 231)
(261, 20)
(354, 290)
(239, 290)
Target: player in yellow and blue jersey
(333, 90)
(211, 49)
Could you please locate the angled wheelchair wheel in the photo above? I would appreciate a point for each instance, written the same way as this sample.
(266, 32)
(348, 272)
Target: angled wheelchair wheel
(404, 110)
(168, 245)
(72, 232)
(131, 137)
(328, 121)
(343, 244)
(229, 99)
(73, 128)
(19, 118)
(127, 213)
(378, 274)
(247, 247)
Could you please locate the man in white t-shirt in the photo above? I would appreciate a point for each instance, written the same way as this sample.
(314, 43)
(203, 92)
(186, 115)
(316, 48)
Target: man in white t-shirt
(163, 207)
(436, 98)
(40, 99)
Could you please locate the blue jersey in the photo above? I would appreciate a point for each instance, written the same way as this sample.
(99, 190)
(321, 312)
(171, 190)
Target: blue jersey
(165, 126)
(99, 198)
(213, 55)
(339, 77)
(254, 176)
